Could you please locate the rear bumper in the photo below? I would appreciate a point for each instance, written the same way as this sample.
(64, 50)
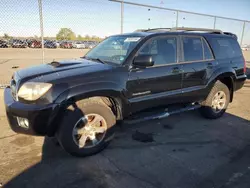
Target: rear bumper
(239, 82)
(40, 117)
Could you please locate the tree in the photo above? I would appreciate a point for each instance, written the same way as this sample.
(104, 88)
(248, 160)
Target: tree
(79, 37)
(86, 37)
(65, 34)
(94, 38)
(6, 36)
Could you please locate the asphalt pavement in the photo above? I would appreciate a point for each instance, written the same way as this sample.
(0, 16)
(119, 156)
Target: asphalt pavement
(186, 151)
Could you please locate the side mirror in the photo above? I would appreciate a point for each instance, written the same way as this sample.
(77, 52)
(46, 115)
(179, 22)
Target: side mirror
(143, 61)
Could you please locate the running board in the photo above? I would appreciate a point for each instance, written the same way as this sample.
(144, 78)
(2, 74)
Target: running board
(163, 114)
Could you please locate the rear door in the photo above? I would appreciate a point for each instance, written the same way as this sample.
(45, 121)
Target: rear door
(197, 63)
(161, 83)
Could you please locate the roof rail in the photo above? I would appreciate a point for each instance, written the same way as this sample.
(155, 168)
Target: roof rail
(140, 30)
(153, 29)
(195, 29)
(159, 29)
(186, 29)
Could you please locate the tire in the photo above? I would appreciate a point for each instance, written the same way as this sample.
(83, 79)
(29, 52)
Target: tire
(208, 110)
(85, 108)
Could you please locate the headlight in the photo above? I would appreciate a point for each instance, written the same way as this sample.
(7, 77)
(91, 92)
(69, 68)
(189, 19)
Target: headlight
(32, 91)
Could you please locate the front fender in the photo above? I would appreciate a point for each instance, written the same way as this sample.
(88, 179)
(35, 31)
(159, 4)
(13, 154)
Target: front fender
(73, 94)
(87, 90)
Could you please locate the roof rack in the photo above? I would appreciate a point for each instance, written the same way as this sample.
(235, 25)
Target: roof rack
(195, 29)
(216, 31)
(153, 29)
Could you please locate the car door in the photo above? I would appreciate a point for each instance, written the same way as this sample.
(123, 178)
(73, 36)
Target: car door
(197, 61)
(160, 84)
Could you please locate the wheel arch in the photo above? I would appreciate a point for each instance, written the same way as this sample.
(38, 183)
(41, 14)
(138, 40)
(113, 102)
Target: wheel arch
(226, 78)
(112, 101)
(109, 93)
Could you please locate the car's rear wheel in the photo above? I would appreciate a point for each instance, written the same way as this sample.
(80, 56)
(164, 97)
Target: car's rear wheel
(87, 129)
(217, 101)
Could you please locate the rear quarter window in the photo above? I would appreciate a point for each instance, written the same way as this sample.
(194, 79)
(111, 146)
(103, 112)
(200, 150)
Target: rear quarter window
(225, 48)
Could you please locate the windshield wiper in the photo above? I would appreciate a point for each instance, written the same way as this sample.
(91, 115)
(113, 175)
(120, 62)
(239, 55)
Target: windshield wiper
(98, 59)
(94, 59)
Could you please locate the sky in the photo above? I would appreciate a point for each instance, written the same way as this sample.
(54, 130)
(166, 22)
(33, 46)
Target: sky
(103, 18)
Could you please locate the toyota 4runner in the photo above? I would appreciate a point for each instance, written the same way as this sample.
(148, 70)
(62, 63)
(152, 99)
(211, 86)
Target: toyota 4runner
(80, 101)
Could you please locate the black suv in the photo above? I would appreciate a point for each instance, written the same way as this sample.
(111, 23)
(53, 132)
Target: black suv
(80, 101)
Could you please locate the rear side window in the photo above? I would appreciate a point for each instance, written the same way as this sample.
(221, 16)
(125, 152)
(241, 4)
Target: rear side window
(225, 48)
(192, 48)
(207, 51)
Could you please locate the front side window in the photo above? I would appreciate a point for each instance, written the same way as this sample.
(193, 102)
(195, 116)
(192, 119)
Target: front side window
(162, 49)
(192, 48)
(114, 49)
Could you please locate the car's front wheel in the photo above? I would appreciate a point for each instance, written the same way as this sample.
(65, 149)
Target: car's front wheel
(87, 128)
(216, 102)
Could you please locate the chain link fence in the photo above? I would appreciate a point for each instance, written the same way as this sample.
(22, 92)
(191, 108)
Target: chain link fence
(70, 28)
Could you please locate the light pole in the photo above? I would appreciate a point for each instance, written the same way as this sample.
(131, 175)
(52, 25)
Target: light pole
(242, 35)
(122, 16)
(41, 25)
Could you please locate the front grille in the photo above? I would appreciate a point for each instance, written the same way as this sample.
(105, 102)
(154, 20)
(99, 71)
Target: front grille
(13, 88)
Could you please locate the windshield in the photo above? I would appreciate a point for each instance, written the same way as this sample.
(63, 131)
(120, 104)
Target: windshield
(114, 49)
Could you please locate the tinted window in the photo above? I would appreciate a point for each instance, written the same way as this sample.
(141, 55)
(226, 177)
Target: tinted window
(163, 50)
(192, 49)
(207, 52)
(114, 49)
(225, 48)
(236, 48)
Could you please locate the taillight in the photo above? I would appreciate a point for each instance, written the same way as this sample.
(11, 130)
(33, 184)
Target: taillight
(245, 66)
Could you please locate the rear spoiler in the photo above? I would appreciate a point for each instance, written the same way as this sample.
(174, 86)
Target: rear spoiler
(231, 34)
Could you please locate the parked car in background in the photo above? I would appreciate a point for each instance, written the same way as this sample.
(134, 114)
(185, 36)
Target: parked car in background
(4, 44)
(50, 44)
(17, 43)
(79, 45)
(245, 47)
(57, 44)
(35, 44)
(66, 44)
(90, 44)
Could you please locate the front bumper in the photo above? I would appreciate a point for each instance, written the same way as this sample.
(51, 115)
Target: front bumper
(40, 117)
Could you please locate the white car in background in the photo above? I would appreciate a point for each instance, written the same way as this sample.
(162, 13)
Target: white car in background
(79, 45)
(57, 44)
(245, 47)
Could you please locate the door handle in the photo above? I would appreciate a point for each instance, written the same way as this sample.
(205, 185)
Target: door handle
(176, 70)
(210, 65)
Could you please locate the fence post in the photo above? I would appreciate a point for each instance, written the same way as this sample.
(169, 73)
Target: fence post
(122, 15)
(41, 26)
(177, 18)
(215, 21)
(242, 35)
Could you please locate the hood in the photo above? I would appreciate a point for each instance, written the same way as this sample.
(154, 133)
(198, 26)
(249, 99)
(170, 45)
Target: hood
(62, 69)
